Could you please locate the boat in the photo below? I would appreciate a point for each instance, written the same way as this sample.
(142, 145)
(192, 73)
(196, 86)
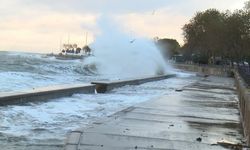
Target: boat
(72, 51)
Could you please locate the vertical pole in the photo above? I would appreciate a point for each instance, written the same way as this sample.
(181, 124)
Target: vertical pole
(68, 39)
(60, 46)
(86, 38)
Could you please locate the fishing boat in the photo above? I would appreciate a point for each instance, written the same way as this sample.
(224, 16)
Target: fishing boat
(72, 51)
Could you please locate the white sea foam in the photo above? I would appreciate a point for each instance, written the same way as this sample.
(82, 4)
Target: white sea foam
(52, 120)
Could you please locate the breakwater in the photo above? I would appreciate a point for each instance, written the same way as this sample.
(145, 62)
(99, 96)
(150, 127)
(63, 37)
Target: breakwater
(104, 86)
(52, 92)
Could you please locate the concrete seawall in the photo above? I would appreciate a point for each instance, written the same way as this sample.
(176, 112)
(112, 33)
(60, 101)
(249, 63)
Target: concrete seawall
(244, 103)
(103, 86)
(43, 94)
(210, 70)
(52, 92)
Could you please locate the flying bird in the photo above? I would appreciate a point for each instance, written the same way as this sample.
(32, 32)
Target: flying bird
(132, 41)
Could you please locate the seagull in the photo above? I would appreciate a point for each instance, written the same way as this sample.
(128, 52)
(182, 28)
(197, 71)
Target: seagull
(132, 41)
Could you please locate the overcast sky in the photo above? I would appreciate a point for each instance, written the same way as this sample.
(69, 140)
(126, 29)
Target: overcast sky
(38, 25)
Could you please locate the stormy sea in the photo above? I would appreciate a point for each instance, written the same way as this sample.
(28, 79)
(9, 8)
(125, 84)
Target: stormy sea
(116, 55)
(44, 125)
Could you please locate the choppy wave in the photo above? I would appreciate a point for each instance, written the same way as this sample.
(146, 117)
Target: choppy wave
(28, 70)
(36, 63)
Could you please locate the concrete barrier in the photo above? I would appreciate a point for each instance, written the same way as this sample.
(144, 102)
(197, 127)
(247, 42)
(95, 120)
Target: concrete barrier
(103, 86)
(244, 103)
(52, 92)
(44, 94)
(206, 69)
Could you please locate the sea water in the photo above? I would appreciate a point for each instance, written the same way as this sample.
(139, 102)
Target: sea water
(44, 125)
(20, 71)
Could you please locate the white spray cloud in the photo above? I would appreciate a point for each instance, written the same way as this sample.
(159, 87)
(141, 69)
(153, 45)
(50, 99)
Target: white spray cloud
(119, 54)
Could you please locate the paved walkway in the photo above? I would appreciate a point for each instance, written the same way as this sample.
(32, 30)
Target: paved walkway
(195, 117)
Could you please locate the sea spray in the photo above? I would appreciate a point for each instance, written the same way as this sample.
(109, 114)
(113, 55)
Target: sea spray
(120, 55)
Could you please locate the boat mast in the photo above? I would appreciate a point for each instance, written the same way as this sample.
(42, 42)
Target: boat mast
(86, 38)
(68, 38)
(60, 46)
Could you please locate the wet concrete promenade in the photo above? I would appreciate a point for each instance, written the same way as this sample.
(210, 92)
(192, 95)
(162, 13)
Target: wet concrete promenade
(195, 117)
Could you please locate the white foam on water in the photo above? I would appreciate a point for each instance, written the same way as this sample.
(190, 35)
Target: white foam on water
(20, 71)
(50, 121)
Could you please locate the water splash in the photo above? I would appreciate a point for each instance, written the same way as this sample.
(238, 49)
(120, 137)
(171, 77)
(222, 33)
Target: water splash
(121, 55)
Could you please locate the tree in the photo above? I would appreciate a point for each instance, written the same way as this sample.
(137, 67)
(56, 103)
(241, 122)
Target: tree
(247, 5)
(168, 47)
(205, 33)
(213, 34)
(236, 35)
